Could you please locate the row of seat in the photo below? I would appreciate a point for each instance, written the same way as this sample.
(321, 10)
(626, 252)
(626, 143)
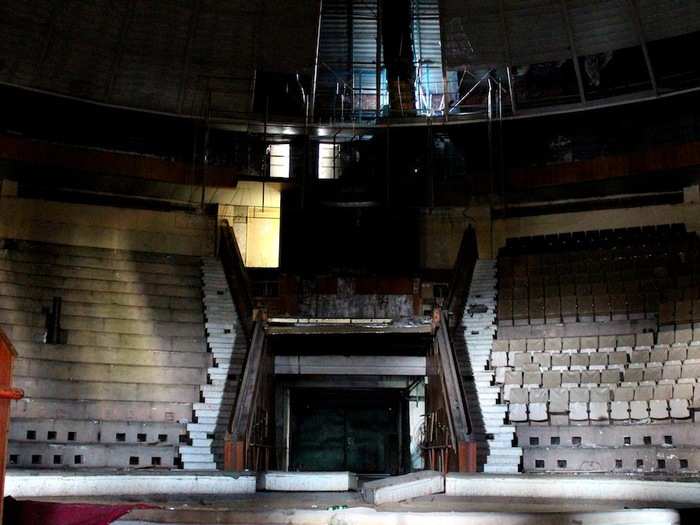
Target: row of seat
(555, 310)
(664, 234)
(600, 411)
(636, 373)
(593, 360)
(680, 312)
(571, 286)
(559, 396)
(664, 338)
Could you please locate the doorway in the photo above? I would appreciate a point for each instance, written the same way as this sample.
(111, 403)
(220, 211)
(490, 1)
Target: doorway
(356, 430)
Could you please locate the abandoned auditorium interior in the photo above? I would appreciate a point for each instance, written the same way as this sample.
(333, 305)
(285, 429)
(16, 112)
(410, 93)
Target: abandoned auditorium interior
(349, 262)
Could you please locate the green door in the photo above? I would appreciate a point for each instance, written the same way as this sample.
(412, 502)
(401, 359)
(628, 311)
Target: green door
(349, 430)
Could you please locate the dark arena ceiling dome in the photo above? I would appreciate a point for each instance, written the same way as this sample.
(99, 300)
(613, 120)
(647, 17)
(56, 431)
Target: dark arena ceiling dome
(184, 56)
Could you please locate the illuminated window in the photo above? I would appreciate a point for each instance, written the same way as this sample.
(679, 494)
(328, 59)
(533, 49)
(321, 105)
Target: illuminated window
(279, 161)
(329, 161)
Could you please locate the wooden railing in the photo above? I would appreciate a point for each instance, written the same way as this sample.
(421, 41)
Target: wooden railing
(249, 442)
(462, 276)
(7, 393)
(448, 444)
(237, 277)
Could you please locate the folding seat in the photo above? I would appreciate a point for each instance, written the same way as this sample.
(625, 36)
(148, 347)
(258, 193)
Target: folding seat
(520, 293)
(598, 360)
(578, 411)
(671, 370)
(639, 356)
(617, 358)
(679, 408)
(570, 378)
(558, 400)
(567, 286)
(585, 308)
(667, 313)
(498, 359)
(532, 379)
(500, 374)
(683, 336)
(625, 341)
(623, 393)
(536, 306)
(535, 291)
(693, 352)
(665, 337)
(519, 359)
(552, 345)
(514, 378)
(542, 359)
(691, 293)
(618, 307)
(658, 409)
(579, 362)
(610, 377)
(616, 288)
(696, 335)
(538, 412)
(551, 290)
(651, 303)
(583, 287)
(519, 396)
(500, 345)
(552, 310)
(551, 379)
(620, 410)
(683, 313)
(639, 410)
(633, 375)
(663, 391)
(517, 412)
(644, 340)
(658, 355)
(598, 411)
(504, 312)
(602, 394)
(599, 289)
(571, 344)
(683, 391)
(690, 368)
(517, 345)
(631, 286)
(535, 345)
(601, 307)
(520, 312)
(635, 306)
(653, 372)
(560, 361)
(568, 309)
(644, 393)
(678, 353)
(607, 342)
(589, 343)
(590, 377)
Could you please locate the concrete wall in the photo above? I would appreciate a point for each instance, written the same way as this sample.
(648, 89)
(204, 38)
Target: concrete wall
(441, 229)
(254, 213)
(688, 213)
(173, 232)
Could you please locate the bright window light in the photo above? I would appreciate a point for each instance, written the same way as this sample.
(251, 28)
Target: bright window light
(328, 161)
(279, 161)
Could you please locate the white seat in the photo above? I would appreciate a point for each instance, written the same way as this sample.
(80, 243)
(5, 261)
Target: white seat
(658, 409)
(679, 408)
(538, 411)
(517, 412)
(578, 411)
(620, 410)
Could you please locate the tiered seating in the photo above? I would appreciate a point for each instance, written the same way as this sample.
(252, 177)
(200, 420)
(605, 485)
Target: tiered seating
(118, 389)
(568, 388)
(596, 276)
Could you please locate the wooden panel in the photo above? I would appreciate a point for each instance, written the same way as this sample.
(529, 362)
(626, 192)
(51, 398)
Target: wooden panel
(659, 159)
